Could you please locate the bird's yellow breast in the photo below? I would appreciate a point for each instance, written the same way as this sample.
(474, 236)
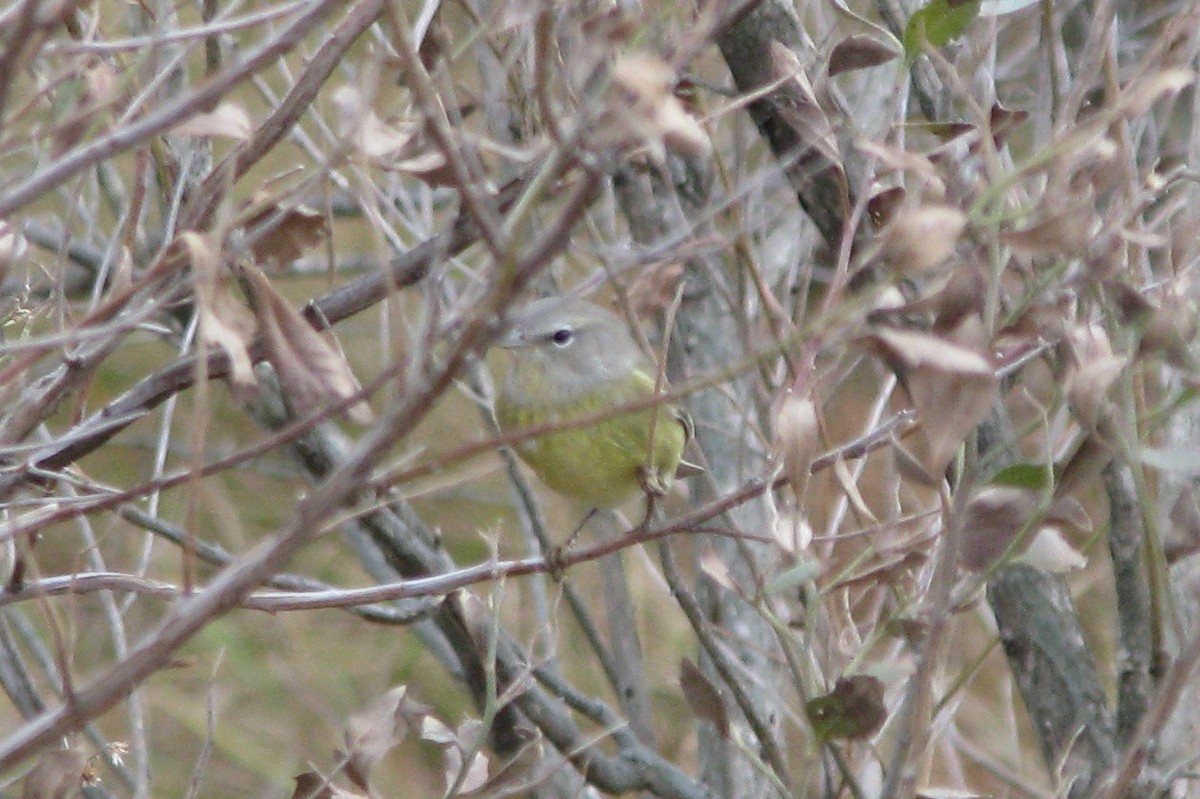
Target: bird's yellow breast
(606, 463)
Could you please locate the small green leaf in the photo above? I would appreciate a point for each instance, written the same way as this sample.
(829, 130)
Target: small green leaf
(1022, 475)
(802, 573)
(938, 22)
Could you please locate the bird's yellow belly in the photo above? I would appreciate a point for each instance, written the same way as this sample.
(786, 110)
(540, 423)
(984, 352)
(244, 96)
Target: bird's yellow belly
(605, 464)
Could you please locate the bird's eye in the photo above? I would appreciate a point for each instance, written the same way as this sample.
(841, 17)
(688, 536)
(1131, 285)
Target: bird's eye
(562, 337)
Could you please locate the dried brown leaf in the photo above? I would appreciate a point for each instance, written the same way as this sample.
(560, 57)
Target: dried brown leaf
(293, 231)
(703, 697)
(950, 406)
(227, 120)
(911, 350)
(921, 239)
(372, 733)
(59, 774)
(951, 382)
(456, 744)
(991, 522)
(224, 324)
(797, 440)
(797, 103)
(859, 51)
(229, 325)
(311, 367)
(366, 132)
(643, 110)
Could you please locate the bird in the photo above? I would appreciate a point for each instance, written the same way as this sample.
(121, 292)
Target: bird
(572, 360)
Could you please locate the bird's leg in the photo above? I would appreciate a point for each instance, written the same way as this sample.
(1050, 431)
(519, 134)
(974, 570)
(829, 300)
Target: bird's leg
(655, 487)
(554, 557)
(651, 505)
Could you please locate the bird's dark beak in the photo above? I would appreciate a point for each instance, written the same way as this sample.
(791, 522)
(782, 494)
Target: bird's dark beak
(511, 339)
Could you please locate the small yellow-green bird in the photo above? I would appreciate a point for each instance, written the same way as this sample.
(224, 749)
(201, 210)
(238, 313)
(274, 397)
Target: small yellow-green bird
(573, 360)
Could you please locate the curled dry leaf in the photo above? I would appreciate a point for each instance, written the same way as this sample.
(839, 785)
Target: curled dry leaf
(797, 103)
(456, 745)
(227, 120)
(797, 439)
(859, 51)
(293, 231)
(921, 239)
(952, 384)
(366, 132)
(311, 366)
(791, 530)
(911, 350)
(398, 146)
(372, 733)
(991, 523)
(224, 322)
(643, 110)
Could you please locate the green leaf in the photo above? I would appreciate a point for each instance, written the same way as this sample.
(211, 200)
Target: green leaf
(1023, 475)
(938, 22)
(802, 573)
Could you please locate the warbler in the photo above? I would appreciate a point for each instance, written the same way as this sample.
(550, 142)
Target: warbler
(573, 360)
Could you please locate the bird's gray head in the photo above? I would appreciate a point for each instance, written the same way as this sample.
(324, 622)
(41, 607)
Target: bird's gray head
(570, 344)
